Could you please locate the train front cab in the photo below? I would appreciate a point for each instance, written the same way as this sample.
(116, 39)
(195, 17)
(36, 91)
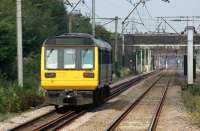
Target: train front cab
(73, 82)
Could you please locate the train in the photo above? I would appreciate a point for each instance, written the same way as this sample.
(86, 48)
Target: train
(76, 69)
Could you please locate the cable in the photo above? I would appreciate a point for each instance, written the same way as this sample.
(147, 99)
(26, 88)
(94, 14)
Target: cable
(141, 20)
(75, 6)
(90, 10)
(138, 14)
(108, 22)
(66, 2)
(170, 25)
(131, 11)
(198, 28)
(148, 11)
(158, 27)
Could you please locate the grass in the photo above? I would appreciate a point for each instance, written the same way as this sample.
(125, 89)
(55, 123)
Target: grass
(15, 99)
(191, 100)
(6, 116)
(121, 73)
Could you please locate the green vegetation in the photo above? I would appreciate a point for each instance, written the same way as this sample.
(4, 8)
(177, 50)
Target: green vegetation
(191, 99)
(41, 19)
(121, 73)
(15, 99)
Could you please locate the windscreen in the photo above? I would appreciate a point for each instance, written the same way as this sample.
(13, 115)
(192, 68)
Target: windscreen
(87, 58)
(69, 58)
(52, 59)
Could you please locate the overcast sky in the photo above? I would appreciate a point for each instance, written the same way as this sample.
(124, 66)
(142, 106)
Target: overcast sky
(121, 8)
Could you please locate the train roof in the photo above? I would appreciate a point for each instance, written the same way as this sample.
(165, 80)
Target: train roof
(77, 39)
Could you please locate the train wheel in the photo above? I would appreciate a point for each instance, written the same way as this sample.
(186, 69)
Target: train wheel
(56, 107)
(96, 97)
(107, 91)
(102, 95)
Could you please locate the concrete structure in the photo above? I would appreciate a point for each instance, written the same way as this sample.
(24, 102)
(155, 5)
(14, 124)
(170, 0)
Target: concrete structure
(149, 60)
(161, 45)
(190, 57)
(141, 62)
(19, 42)
(93, 18)
(166, 63)
(136, 61)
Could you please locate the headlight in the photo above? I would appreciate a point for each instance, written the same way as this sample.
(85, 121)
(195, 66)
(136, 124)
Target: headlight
(50, 75)
(88, 75)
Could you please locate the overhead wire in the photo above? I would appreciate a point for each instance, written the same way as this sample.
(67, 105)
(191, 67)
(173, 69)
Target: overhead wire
(90, 10)
(68, 3)
(148, 12)
(140, 18)
(108, 22)
(75, 6)
(170, 25)
(198, 28)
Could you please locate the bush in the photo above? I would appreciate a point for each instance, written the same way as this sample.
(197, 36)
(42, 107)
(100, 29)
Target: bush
(31, 70)
(191, 99)
(16, 99)
(125, 72)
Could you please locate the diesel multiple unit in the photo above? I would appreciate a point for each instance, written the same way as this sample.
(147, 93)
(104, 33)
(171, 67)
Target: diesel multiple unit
(76, 69)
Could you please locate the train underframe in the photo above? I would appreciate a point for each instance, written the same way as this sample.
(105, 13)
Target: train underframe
(77, 97)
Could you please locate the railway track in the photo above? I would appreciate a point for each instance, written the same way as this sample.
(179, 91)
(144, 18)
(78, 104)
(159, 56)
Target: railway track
(56, 120)
(155, 118)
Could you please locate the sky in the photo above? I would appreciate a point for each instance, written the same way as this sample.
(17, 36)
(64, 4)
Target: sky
(144, 14)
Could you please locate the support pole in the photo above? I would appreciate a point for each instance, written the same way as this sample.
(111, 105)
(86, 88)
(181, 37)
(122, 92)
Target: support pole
(116, 38)
(93, 18)
(190, 33)
(70, 23)
(123, 48)
(166, 63)
(149, 59)
(136, 62)
(145, 57)
(19, 43)
(141, 65)
(159, 61)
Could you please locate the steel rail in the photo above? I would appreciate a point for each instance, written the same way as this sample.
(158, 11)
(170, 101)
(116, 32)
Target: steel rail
(57, 123)
(117, 90)
(155, 119)
(26, 124)
(69, 116)
(118, 120)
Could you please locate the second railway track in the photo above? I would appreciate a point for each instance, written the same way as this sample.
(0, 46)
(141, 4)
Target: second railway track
(161, 81)
(54, 120)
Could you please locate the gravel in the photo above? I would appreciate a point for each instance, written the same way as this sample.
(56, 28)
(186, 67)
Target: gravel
(30, 115)
(100, 118)
(140, 117)
(24, 117)
(174, 116)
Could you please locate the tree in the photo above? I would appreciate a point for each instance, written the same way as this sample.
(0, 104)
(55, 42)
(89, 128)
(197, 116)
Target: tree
(103, 33)
(7, 37)
(41, 19)
(81, 24)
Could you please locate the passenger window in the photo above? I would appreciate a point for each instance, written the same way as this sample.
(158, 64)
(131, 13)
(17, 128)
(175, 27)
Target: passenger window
(69, 58)
(87, 59)
(52, 59)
